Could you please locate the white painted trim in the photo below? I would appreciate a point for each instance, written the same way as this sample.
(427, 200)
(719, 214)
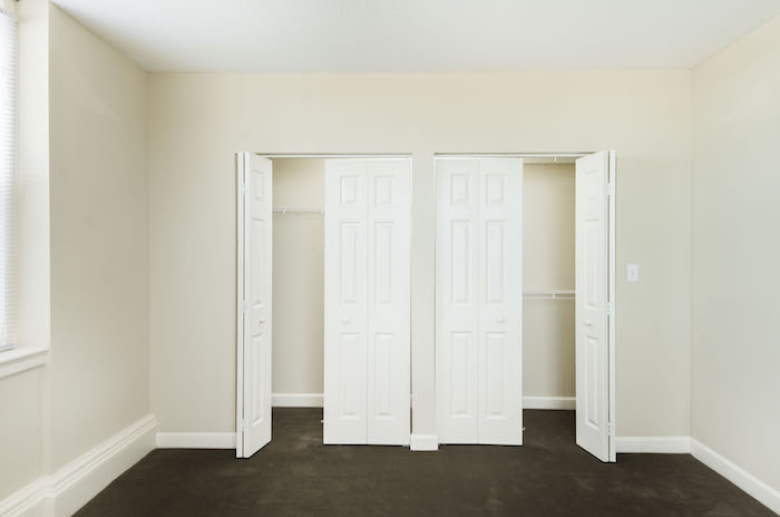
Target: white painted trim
(612, 340)
(20, 359)
(363, 156)
(240, 236)
(512, 155)
(72, 486)
(26, 502)
(653, 444)
(567, 403)
(297, 400)
(749, 483)
(81, 480)
(196, 440)
(424, 442)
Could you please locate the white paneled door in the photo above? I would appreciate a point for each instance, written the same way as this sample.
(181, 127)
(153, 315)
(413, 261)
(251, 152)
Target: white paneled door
(479, 286)
(255, 252)
(367, 301)
(594, 315)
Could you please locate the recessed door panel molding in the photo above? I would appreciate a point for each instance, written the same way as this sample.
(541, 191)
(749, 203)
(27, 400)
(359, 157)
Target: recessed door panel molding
(479, 300)
(367, 295)
(594, 334)
(389, 301)
(501, 301)
(346, 297)
(254, 311)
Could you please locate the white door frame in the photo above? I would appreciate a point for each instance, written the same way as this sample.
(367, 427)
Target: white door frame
(612, 301)
(612, 260)
(612, 232)
(240, 210)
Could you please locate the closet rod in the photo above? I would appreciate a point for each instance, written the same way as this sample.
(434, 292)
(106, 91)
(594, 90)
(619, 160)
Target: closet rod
(297, 210)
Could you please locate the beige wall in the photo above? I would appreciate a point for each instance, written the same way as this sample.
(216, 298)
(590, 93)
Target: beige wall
(736, 252)
(84, 207)
(198, 122)
(99, 240)
(298, 279)
(548, 264)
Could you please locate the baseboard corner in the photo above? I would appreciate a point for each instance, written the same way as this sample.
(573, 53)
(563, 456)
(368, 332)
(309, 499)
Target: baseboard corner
(64, 492)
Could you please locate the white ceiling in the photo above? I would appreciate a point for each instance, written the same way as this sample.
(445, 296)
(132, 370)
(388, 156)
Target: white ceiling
(418, 35)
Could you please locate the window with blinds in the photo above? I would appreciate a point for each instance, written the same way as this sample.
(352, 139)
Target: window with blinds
(8, 151)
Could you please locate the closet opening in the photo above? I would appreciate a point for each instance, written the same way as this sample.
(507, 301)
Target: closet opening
(298, 305)
(323, 297)
(525, 298)
(549, 297)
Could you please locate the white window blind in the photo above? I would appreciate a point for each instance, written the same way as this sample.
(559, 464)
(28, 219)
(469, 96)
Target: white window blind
(8, 139)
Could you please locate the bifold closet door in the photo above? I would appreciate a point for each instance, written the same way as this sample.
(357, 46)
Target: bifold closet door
(479, 285)
(255, 274)
(367, 301)
(594, 277)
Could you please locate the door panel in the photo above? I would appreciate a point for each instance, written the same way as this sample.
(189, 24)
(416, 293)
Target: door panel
(346, 296)
(457, 300)
(255, 316)
(479, 300)
(592, 319)
(389, 350)
(501, 301)
(367, 300)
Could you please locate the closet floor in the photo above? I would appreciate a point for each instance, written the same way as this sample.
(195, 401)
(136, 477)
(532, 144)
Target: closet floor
(295, 475)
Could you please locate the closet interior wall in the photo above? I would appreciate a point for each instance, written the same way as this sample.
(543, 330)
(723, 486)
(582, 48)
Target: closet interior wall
(298, 281)
(548, 331)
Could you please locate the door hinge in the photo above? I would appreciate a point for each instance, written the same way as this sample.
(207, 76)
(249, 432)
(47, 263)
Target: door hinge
(244, 190)
(609, 309)
(244, 306)
(610, 428)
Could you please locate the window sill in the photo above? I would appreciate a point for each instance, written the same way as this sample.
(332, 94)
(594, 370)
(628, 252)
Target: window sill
(21, 359)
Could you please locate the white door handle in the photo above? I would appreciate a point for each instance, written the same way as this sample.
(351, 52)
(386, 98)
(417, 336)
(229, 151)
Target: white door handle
(262, 322)
(501, 320)
(588, 323)
(346, 321)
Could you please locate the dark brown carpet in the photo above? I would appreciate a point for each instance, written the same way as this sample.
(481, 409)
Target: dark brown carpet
(295, 475)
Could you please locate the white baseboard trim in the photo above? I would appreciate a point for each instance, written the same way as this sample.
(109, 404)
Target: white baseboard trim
(196, 440)
(29, 501)
(653, 444)
(424, 442)
(567, 403)
(71, 487)
(296, 400)
(753, 486)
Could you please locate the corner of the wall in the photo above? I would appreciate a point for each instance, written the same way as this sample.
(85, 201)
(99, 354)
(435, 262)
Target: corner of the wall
(71, 487)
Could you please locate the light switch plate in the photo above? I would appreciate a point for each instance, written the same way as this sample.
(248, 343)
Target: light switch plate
(633, 272)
